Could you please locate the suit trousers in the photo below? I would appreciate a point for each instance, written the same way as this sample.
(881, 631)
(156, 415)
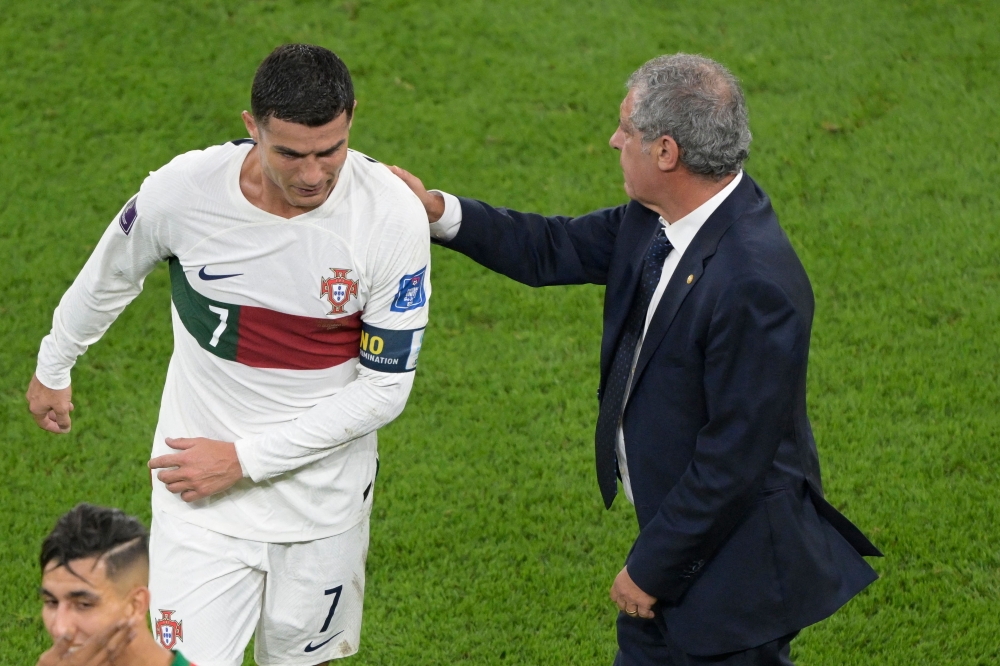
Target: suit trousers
(647, 643)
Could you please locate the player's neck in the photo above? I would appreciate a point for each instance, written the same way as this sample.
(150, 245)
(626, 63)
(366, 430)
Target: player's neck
(145, 651)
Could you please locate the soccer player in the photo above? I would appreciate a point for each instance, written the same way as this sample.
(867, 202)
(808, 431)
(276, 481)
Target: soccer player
(95, 571)
(291, 259)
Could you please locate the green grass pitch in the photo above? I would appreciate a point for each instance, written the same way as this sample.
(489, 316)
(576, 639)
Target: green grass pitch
(875, 133)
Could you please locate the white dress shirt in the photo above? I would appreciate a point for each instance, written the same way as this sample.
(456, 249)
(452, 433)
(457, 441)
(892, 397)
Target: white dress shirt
(680, 234)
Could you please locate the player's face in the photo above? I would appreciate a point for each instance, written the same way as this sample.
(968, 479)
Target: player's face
(302, 162)
(639, 168)
(82, 604)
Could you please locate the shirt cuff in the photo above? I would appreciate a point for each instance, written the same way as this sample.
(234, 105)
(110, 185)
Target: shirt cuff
(52, 369)
(55, 380)
(244, 454)
(446, 228)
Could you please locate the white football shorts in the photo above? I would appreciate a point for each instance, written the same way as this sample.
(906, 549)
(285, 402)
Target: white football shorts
(211, 592)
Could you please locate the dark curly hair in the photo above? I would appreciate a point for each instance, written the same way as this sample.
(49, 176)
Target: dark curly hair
(96, 531)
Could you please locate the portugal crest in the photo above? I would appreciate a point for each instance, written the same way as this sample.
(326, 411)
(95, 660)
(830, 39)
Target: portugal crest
(168, 630)
(338, 289)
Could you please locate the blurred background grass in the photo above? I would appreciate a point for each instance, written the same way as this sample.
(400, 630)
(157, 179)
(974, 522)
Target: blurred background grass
(875, 133)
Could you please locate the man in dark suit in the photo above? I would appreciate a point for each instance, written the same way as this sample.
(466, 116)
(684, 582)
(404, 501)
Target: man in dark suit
(707, 317)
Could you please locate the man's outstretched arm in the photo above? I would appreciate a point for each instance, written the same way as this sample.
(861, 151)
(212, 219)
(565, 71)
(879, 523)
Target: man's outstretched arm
(533, 249)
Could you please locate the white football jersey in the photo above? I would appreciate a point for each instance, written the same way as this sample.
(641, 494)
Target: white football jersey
(295, 338)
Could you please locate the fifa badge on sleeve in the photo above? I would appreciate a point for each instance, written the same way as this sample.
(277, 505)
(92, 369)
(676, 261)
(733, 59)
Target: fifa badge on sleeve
(411, 294)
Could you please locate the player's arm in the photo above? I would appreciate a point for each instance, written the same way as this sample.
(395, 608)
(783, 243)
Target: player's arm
(393, 322)
(392, 329)
(111, 278)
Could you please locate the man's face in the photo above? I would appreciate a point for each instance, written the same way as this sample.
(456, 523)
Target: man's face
(302, 162)
(639, 168)
(82, 604)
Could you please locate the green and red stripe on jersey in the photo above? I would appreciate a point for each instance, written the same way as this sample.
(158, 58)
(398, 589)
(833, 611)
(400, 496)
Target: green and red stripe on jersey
(180, 660)
(263, 338)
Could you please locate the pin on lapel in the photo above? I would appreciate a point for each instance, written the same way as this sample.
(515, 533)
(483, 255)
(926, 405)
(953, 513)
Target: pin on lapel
(690, 278)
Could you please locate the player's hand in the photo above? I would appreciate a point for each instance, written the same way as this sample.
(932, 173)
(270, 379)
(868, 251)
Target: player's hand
(101, 649)
(50, 407)
(432, 201)
(630, 599)
(202, 468)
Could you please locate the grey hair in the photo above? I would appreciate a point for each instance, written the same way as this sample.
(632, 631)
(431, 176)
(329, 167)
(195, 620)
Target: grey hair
(699, 103)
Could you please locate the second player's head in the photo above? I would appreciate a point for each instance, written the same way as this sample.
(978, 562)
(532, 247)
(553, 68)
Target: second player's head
(95, 572)
(302, 101)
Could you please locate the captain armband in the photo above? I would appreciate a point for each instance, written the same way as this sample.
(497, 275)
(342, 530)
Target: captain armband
(387, 350)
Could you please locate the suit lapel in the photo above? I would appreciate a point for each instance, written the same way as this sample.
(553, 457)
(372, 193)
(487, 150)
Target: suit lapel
(636, 233)
(689, 271)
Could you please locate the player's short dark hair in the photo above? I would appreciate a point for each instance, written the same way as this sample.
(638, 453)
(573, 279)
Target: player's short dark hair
(96, 531)
(303, 84)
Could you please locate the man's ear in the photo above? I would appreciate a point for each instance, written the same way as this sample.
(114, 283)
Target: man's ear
(354, 108)
(251, 124)
(667, 152)
(138, 602)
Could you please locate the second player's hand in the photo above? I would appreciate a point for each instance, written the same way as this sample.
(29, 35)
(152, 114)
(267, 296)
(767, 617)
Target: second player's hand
(202, 467)
(432, 201)
(102, 649)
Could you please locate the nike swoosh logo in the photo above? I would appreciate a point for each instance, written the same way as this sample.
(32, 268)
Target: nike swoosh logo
(205, 276)
(311, 647)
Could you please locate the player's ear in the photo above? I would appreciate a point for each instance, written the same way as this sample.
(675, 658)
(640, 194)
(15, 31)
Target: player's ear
(251, 125)
(350, 121)
(138, 602)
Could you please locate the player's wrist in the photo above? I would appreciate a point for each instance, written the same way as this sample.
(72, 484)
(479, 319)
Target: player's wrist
(51, 381)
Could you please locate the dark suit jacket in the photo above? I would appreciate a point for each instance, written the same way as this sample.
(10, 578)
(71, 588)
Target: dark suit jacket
(736, 540)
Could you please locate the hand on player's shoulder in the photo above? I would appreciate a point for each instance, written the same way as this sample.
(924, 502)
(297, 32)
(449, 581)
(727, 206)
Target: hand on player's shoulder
(432, 201)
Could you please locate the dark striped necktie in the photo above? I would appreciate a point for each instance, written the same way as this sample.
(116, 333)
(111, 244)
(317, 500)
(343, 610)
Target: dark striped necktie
(613, 396)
